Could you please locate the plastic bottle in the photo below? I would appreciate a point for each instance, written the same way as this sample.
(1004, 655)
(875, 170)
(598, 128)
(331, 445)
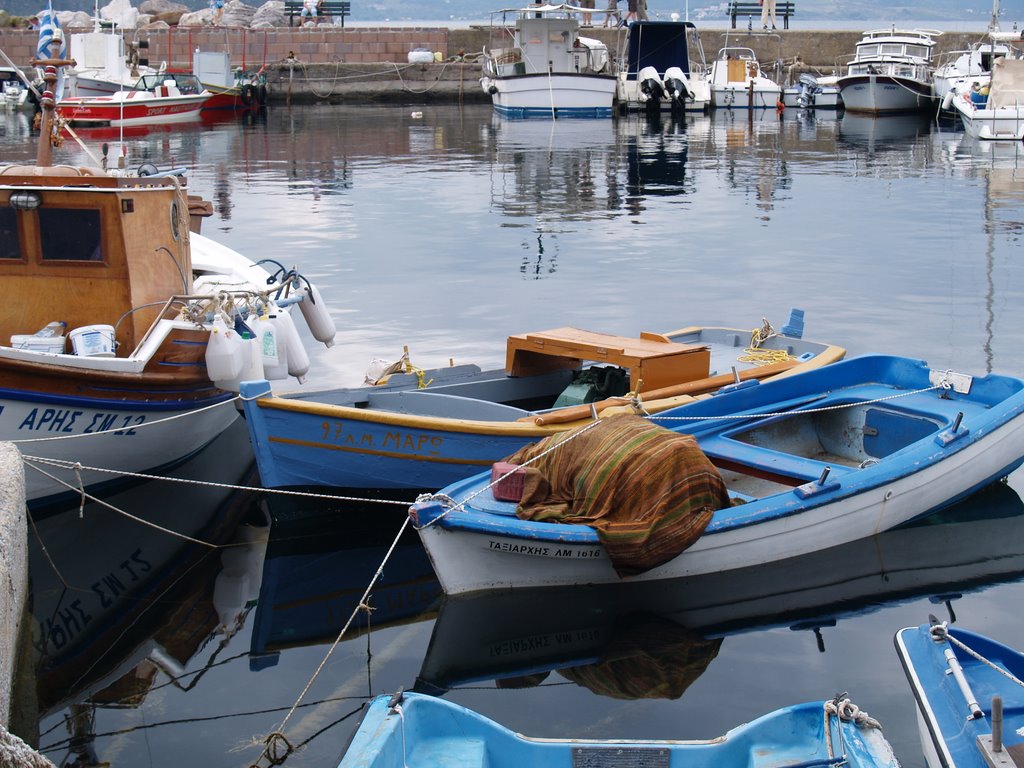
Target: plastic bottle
(52, 329)
(266, 337)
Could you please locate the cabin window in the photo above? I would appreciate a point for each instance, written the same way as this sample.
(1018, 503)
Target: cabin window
(919, 51)
(9, 245)
(70, 234)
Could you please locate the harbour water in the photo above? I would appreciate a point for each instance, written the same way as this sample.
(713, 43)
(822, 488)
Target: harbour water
(445, 229)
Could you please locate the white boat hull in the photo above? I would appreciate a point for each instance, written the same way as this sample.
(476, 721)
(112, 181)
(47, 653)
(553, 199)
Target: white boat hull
(140, 439)
(470, 562)
(1003, 124)
(554, 95)
(882, 94)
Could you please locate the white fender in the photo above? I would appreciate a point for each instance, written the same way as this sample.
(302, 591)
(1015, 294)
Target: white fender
(318, 317)
(298, 360)
(223, 352)
(266, 339)
(280, 370)
(947, 100)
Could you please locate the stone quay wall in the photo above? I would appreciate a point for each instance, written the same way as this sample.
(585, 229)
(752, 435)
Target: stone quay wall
(339, 64)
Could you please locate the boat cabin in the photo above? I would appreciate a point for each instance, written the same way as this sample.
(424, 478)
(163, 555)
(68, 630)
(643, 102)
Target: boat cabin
(545, 39)
(118, 245)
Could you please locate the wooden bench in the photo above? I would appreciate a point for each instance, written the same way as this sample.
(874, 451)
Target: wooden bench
(328, 9)
(783, 9)
(652, 358)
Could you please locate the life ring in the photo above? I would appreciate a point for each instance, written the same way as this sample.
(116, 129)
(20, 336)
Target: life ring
(261, 94)
(248, 94)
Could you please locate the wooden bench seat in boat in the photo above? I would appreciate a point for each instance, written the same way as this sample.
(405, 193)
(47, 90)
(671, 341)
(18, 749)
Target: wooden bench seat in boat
(651, 359)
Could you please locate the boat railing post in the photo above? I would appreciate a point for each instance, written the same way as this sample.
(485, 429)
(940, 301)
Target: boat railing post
(997, 723)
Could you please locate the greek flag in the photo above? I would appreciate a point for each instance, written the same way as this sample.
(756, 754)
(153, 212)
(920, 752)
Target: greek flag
(48, 24)
(49, 27)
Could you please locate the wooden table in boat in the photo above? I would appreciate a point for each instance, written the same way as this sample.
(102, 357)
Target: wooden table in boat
(651, 359)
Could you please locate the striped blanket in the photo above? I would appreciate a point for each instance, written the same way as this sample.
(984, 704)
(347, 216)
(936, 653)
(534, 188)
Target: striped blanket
(649, 492)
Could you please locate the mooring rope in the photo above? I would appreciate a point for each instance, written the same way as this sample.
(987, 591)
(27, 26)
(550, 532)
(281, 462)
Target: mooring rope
(275, 737)
(941, 632)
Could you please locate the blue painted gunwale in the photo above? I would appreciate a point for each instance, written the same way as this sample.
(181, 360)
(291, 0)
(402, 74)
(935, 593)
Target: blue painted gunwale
(433, 731)
(994, 400)
(943, 707)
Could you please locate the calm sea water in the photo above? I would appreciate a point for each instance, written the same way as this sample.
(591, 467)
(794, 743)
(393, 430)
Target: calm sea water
(445, 229)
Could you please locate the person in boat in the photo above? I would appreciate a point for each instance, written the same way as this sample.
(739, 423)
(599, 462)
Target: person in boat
(978, 95)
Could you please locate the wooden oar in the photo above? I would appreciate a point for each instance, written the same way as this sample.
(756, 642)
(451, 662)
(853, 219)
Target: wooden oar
(698, 387)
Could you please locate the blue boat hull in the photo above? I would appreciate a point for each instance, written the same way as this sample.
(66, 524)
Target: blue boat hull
(953, 720)
(431, 731)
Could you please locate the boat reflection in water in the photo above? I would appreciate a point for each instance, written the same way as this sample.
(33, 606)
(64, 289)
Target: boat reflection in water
(316, 572)
(138, 582)
(877, 134)
(636, 640)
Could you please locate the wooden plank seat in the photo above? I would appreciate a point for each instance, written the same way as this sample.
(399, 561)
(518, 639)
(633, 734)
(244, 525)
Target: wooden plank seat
(782, 9)
(651, 359)
(326, 10)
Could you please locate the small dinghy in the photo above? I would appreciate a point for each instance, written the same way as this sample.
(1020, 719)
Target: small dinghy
(414, 729)
(970, 696)
(785, 468)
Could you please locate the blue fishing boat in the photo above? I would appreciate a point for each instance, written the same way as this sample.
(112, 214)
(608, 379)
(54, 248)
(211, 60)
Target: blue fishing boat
(970, 696)
(423, 429)
(789, 467)
(415, 729)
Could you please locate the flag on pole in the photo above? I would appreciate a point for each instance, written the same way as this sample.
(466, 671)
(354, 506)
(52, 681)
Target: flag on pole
(49, 29)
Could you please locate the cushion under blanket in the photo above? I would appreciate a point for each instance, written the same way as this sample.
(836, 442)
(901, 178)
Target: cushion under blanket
(649, 492)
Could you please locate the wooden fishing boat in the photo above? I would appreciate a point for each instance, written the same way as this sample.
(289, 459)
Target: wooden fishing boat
(969, 694)
(414, 729)
(497, 636)
(112, 258)
(400, 434)
(816, 460)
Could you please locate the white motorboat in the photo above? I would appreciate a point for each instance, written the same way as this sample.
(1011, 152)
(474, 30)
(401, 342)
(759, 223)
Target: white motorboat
(13, 90)
(738, 82)
(891, 72)
(547, 69)
(665, 68)
(993, 111)
(972, 65)
(812, 92)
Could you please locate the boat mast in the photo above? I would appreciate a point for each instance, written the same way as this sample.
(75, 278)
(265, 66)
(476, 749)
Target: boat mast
(44, 152)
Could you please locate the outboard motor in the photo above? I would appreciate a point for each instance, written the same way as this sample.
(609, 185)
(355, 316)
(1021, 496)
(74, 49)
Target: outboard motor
(677, 86)
(807, 89)
(651, 88)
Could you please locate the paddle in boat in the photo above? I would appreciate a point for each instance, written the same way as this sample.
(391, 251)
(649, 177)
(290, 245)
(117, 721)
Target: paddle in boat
(970, 696)
(425, 429)
(158, 318)
(415, 729)
(760, 474)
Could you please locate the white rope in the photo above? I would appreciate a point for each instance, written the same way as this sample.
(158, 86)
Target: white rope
(78, 468)
(940, 632)
(279, 731)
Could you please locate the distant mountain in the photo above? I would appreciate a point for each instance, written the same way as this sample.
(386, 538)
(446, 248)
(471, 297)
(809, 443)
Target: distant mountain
(699, 10)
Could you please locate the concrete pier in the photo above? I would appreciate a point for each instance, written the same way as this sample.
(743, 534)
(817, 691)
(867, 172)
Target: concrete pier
(13, 568)
(370, 64)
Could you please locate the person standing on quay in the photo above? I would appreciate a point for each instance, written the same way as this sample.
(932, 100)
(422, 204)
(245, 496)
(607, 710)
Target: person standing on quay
(767, 7)
(612, 12)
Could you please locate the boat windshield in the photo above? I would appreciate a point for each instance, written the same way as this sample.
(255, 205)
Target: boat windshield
(186, 84)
